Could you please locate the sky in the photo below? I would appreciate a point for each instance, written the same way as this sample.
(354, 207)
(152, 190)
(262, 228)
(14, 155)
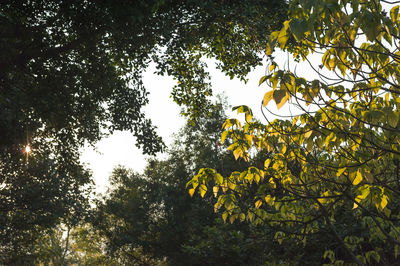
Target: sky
(120, 149)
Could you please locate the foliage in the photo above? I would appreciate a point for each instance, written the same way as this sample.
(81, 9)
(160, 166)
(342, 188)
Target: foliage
(71, 72)
(151, 212)
(334, 171)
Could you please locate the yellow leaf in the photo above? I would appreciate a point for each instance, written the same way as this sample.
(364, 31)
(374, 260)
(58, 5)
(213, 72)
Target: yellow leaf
(203, 190)
(308, 134)
(191, 192)
(216, 207)
(357, 179)
(267, 97)
(384, 202)
(258, 204)
(215, 190)
(283, 149)
(237, 153)
(340, 171)
(248, 117)
(231, 147)
(242, 217)
(269, 200)
(224, 216)
(263, 79)
(223, 136)
(282, 38)
(332, 63)
(232, 218)
(266, 163)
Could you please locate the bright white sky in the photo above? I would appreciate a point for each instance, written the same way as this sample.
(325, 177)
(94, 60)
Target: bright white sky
(120, 149)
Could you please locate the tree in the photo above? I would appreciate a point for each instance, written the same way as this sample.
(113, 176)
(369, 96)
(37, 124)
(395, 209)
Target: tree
(334, 171)
(151, 212)
(70, 73)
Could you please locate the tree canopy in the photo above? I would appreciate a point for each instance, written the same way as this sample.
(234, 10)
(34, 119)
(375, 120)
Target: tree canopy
(333, 170)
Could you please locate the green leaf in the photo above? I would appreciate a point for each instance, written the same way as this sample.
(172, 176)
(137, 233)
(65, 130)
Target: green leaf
(393, 119)
(268, 51)
(298, 28)
(280, 97)
(371, 25)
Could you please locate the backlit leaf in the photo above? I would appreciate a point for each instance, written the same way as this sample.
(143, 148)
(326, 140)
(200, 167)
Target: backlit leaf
(358, 178)
(191, 192)
(280, 97)
(267, 97)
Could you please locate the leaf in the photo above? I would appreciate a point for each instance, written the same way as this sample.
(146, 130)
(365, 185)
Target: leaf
(394, 13)
(227, 124)
(203, 190)
(218, 178)
(267, 163)
(368, 176)
(340, 171)
(237, 153)
(283, 37)
(370, 25)
(283, 150)
(393, 119)
(263, 79)
(215, 190)
(269, 200)
(258, 204)
(332, 63)
(242, 217)
(224, 216)
(272, 67)
(191, 192)
(280, 97)
(269, 49)
(267, 97)
(357, 179)
(250, 216)
(223, 136)
(384, 202)
(298, 28)
(308, 134)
